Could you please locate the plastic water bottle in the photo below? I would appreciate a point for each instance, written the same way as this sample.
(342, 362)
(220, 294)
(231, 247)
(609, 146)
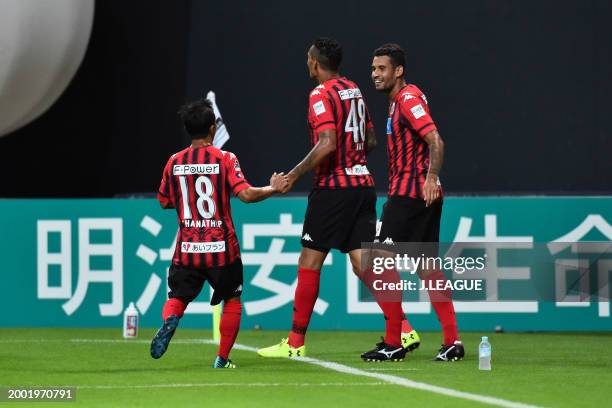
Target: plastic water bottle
(484, 354)
(130, 322)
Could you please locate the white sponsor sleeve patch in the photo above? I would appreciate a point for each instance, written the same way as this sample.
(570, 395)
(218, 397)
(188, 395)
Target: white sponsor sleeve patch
(418, 111)
(318, 108)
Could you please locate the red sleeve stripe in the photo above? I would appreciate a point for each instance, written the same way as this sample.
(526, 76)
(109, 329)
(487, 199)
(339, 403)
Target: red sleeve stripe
(324, 123)
(419, 130)
(237, 185)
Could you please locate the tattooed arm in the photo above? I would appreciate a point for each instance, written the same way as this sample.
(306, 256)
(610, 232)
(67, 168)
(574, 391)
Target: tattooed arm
(370, 140)
(324, 147)
(431, 189)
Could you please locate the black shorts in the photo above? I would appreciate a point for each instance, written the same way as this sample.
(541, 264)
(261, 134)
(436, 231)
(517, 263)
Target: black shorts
(186, 283)
(339, 218)
(407, 219)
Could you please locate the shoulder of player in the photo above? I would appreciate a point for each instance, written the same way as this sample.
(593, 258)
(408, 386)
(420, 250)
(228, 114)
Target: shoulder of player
(178, 155)
(347, 83)
(410, 96)
(226, 155)
(334, 89)
(318, 92)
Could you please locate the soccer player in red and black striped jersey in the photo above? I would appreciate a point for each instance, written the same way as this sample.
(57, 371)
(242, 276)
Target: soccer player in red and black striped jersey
(341, 209)
(415, 152)
(197, 182)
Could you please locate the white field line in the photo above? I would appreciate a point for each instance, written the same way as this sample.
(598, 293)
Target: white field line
(341, 368)
(392, 369)
(404, 382)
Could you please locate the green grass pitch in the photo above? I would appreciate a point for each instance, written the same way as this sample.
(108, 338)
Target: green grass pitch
(553, 370)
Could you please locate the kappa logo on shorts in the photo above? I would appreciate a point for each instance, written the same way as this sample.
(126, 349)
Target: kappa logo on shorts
(238, 289)
(388, 241)
(306, 237)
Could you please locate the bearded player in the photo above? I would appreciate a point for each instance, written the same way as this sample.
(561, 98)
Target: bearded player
(341, 209)
(415, 152)
(197, 182)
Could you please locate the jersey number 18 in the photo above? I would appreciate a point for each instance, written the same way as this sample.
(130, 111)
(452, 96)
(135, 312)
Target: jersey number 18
(204, 189)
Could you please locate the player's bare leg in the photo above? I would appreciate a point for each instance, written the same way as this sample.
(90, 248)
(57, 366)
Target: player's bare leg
(228, 327)
(306, 294)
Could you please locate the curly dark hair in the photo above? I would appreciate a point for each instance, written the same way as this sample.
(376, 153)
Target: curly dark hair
(328, 53)
(395, 53)
(197, 116)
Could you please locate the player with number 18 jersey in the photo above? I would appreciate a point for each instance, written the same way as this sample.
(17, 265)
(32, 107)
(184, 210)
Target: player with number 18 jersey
(197, 182)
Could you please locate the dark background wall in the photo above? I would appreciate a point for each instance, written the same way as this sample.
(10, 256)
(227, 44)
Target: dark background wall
(519, 91)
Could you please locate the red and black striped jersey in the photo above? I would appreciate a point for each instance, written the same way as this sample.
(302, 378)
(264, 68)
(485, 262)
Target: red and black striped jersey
(338, 104)
(197, 182)
(408, 153)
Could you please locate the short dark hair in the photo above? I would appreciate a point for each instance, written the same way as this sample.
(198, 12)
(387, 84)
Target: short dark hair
(329, 53)
(197, 116)
(395, 53)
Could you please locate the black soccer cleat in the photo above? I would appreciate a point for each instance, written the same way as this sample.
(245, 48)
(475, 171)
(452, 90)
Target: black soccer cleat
(454, 352)
(162, 338)
(384, 352)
